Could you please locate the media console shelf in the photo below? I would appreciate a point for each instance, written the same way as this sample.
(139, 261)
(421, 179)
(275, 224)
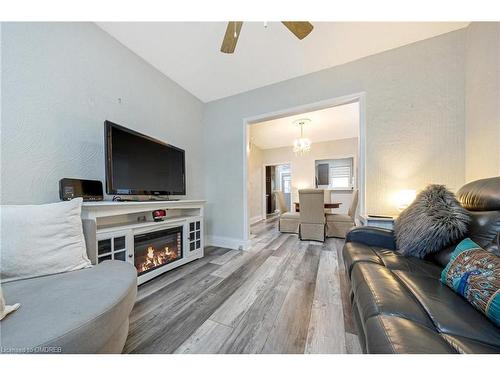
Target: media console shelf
(126, 231)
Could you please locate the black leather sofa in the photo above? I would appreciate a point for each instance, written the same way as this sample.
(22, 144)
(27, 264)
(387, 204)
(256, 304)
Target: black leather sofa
(399, 303)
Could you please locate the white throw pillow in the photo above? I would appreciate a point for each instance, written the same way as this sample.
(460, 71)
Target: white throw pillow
(39, 240)
(6, 309)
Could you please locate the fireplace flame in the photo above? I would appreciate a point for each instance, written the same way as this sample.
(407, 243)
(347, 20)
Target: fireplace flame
(157, 257)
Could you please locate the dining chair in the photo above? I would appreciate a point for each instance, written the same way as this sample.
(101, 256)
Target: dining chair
(312, 214)
(289, 221)
(337, 225)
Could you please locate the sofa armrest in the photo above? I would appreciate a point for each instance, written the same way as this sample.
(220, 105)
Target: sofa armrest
(372, 236)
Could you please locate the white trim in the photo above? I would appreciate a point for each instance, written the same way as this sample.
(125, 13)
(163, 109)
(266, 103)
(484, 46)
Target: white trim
(333, 102)
(227, 242)
(256, 219)
(361, 180)
(93, 210)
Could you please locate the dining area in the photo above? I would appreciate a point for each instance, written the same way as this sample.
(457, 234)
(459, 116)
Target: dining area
(314, 217)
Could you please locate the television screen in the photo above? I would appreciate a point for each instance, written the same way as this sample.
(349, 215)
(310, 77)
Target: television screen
(140, 165)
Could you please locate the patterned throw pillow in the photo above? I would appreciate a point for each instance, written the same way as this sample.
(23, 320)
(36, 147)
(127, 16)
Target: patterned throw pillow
(474, 273)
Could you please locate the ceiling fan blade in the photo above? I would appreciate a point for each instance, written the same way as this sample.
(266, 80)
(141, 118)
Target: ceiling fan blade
(300, 29)
(231, 36)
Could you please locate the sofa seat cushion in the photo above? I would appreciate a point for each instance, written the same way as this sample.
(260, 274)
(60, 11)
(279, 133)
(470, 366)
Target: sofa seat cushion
(72, 312)
(378, 291)
(339, 217)
(396, 261)
(387, 334)
(355, 252)
(466, 346)
(450, 313)
(412, 312)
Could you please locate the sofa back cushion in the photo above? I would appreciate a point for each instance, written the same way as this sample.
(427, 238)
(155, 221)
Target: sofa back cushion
(39, 240)
(481, 195)
(482, 199)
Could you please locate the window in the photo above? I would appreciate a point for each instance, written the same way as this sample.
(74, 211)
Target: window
(335, 173)
(341, 173)
(287, 184)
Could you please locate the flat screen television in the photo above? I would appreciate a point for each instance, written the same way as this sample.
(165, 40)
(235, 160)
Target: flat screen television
(140, 165)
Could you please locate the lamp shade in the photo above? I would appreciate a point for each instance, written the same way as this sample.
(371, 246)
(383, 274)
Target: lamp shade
(403, 198)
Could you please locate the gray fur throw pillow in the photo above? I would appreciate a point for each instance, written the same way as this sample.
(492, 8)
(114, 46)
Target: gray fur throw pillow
(433, 221)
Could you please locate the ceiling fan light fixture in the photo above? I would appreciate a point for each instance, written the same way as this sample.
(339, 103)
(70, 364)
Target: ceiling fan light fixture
(300, 29)
(231, 36)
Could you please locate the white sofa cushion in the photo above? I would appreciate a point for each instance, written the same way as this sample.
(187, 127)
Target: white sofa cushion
(6, 309)
(38, 240)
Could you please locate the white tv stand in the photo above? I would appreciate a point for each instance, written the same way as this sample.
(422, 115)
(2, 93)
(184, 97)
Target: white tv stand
(110, 230)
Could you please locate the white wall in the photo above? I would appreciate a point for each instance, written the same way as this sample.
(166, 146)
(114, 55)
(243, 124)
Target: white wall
(482, 101)
(255, 184)
(60, 81)
(414, 124)
(303, 167)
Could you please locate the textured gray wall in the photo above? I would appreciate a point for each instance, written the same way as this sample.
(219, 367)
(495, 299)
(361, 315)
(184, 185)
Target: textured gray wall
(482, 100)
(60, 82)
(414, 115)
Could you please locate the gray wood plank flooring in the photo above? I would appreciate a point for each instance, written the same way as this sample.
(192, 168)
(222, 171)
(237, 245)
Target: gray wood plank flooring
(282, 295)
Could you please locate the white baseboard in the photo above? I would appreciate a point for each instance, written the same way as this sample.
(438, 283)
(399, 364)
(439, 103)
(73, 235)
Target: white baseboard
(227, 242)
(255, 219)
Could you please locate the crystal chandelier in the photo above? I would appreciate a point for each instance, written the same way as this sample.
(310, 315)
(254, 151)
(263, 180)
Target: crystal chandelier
(301, 145)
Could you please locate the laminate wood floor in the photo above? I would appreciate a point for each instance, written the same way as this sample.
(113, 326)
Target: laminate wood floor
(281, 296)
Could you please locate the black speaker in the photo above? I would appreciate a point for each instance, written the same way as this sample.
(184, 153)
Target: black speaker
(89, 190)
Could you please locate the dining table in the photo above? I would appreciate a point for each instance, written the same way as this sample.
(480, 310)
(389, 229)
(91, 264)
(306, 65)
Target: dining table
(327, 205)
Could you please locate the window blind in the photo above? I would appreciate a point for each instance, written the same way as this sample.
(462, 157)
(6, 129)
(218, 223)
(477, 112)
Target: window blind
(341, 172)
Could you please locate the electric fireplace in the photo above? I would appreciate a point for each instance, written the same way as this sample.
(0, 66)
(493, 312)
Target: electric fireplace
(156, 249)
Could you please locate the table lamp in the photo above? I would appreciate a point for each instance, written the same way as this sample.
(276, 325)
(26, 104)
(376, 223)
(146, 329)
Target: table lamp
(404, 198)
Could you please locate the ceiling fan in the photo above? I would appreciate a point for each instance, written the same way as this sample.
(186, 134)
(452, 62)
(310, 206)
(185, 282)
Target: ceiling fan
(300, 29)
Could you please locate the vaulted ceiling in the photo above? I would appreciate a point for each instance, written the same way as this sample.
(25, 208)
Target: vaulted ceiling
(188, 52)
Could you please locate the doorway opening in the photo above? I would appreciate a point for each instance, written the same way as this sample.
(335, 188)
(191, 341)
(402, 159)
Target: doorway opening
(333, 158)
(277, 180)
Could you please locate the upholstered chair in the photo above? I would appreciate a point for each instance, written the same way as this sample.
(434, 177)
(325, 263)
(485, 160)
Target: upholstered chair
(312, 214)
(280, 201)
(289, 221)
(337, 225)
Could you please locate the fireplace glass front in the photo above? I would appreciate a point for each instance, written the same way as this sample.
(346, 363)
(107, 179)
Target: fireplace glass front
(156, 249)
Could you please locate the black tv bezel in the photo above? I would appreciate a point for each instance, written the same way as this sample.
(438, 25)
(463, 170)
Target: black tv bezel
(110, 189)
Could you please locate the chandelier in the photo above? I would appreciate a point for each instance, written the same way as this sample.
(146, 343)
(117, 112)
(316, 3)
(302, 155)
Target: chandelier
(301, 145)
